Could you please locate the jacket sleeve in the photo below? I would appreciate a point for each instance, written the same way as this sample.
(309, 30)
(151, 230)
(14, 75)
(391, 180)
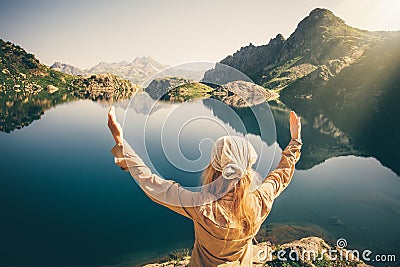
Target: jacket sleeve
(279, 179)
(164, 192)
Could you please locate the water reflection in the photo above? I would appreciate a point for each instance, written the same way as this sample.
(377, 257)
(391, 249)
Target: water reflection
(180, 135)
(19, 109)
(351, 197)
(322, 138)
(64, 202)
(62, 194)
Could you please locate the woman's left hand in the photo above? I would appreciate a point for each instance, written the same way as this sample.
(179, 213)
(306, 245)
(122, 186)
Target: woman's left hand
(114, 126)
(295, 125)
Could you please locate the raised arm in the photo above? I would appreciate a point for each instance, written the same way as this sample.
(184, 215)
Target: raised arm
(164, 192)
(279, 179)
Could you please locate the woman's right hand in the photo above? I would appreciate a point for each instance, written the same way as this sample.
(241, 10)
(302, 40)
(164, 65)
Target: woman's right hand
(114, 126)
(295, 125)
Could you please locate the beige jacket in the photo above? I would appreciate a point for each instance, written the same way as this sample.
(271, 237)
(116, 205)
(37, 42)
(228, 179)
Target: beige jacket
(214, 244)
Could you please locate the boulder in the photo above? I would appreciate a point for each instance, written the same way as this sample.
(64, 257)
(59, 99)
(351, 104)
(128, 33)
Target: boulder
(51, 88)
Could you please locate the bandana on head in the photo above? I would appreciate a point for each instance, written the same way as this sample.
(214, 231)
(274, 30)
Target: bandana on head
(232, 156)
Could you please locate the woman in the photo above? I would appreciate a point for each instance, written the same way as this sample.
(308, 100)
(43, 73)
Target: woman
(224, 228)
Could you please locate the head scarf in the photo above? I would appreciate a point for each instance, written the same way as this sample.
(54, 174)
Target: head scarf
(232, 156)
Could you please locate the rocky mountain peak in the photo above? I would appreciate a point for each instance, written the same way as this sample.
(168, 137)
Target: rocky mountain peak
(322, 37)
(279, 37)
(319, 25)
(56, 64)
(66, 68)
(145, 60)
(318, 22)
(278, 40)
(321, 17)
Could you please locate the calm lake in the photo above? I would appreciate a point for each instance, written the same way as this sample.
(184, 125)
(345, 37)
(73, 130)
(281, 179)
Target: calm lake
(65, 203)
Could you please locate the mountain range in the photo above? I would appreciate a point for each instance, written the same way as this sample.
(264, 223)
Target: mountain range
(137, 71)
(140, 71)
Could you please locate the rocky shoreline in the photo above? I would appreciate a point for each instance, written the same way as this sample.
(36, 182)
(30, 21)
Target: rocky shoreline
(297, 242)
(292, 255)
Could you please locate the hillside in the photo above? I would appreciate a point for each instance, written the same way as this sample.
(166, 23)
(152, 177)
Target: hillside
(21, 71)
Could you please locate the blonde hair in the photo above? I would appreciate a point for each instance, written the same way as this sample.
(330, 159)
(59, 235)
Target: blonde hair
(243, 211)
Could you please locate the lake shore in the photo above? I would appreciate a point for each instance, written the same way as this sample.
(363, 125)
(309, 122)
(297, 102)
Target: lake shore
(262, 256)
(274, 237)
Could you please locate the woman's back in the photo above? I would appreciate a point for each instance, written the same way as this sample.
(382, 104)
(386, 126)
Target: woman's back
(224, 227)
(218, 239)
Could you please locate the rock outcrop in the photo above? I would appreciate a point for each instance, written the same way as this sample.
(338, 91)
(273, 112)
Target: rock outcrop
(106, 87)
(243, 94)
(309, 251)
(161, 86)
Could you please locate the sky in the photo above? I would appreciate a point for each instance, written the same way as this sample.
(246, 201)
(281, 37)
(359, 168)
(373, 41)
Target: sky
(84, 33)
